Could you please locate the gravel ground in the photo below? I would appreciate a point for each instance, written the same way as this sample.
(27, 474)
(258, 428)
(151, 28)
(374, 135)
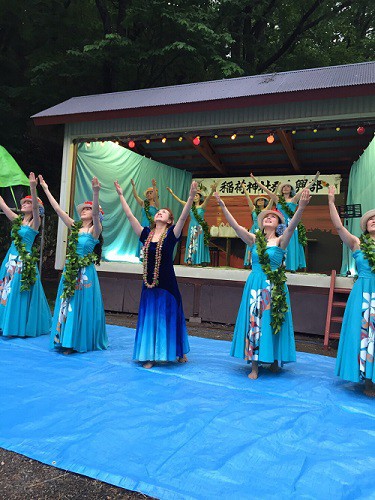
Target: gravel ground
(26, 479)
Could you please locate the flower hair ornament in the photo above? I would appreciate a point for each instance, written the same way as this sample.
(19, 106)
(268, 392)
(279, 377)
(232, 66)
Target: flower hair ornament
(88, 204)
(40, 203)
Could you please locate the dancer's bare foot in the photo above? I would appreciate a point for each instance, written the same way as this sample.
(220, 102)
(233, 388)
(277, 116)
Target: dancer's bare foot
(148, 365)
(274, 367)
(68, 351)
(184, 359)
(253, 375)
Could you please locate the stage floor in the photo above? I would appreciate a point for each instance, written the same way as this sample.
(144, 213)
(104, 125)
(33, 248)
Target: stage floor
(200, 430)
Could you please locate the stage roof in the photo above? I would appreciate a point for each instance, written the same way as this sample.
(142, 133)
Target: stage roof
(313, 115)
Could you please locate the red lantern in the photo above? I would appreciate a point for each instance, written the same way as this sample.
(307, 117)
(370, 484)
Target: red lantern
(361, 130)
(270, 139)
(196, 141)
(131, 144)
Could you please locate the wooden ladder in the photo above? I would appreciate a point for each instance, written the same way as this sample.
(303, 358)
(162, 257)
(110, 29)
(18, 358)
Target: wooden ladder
(337, 299)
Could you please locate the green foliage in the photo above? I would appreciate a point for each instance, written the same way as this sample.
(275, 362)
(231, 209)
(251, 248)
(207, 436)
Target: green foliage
(277, 278)
(368, 248)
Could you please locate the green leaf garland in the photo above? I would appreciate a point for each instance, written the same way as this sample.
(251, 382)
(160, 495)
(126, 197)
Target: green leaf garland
(368, 248)
(277, 278)
(302, 236)
(29, 259)
(203, 224)
(74, 263)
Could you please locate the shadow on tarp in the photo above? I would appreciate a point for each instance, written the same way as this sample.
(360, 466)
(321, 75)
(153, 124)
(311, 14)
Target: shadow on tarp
(195, 430)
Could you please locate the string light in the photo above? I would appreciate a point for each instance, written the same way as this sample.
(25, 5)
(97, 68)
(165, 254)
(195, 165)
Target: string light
(196, 140)
(233, 136)
(131, 144)
(315, 130)
(164, 140)
(338, 129)
(180, 138)
(148, 141)
(251, 136)
(216, 136)
(270, 139)
(361, 130)
(294, 131)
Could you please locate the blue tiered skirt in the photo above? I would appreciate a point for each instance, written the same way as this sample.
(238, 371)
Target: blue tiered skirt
(253, 338)
(355, 355)
(27, 313)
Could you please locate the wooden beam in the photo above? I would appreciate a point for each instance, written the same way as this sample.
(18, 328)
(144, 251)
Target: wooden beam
(208, 152)
(287, 142)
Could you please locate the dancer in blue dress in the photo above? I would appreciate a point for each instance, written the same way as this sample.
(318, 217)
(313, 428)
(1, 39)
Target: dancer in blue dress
(78, 323)
(149, 205)
(355, 356)
(161, 330)
(24, 310)
(197, 251)
(286, 200)
(264, 328)
(260, 203)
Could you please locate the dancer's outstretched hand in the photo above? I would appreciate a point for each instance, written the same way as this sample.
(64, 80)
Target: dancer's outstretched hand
(331, 194)
(42, 182)
(305, 198)
(193, 188)
(219, 200)
(169, 189)
(118, 188)
(95, 184)
(153, 182)
(33, 180)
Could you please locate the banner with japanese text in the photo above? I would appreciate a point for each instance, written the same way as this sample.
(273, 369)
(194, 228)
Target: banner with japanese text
(232, 186)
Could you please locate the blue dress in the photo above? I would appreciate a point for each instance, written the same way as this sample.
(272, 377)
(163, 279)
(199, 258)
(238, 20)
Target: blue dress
(161, 330)
(22, 314)
(145, 223)
(295, 255)
(253, 338)
(196, 251)
(253, 229)
(79, 321)
(355, 356)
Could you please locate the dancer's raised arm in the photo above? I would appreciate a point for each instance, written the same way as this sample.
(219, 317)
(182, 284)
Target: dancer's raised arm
(272, 195)
(185, 212)
(155, 193)
(175, 196)
(95, 208)
(297, 196)
(135, 194)
(7, 211)
(68, 221)
(249, 200)
(286, 236)
(246, 237)
(137, 228)
(209, 196)
(349, 239)
(34, 201)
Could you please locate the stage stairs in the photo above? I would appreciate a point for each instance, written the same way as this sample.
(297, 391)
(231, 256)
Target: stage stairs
(337, 299)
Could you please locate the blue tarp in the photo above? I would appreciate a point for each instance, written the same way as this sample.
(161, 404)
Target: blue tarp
(200, 430)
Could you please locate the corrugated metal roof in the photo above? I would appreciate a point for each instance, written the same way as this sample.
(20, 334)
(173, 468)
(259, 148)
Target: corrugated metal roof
(250, 86)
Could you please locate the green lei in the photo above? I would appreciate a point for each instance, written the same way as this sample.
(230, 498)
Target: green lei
(74, 263)
(279, 305)
(146, 206)
(302, 236)
(368, 248)
(203, 224)
(29, 260)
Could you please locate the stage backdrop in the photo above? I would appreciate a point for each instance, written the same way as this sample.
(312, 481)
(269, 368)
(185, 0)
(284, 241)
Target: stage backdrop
(361, 190)
(109, 162)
